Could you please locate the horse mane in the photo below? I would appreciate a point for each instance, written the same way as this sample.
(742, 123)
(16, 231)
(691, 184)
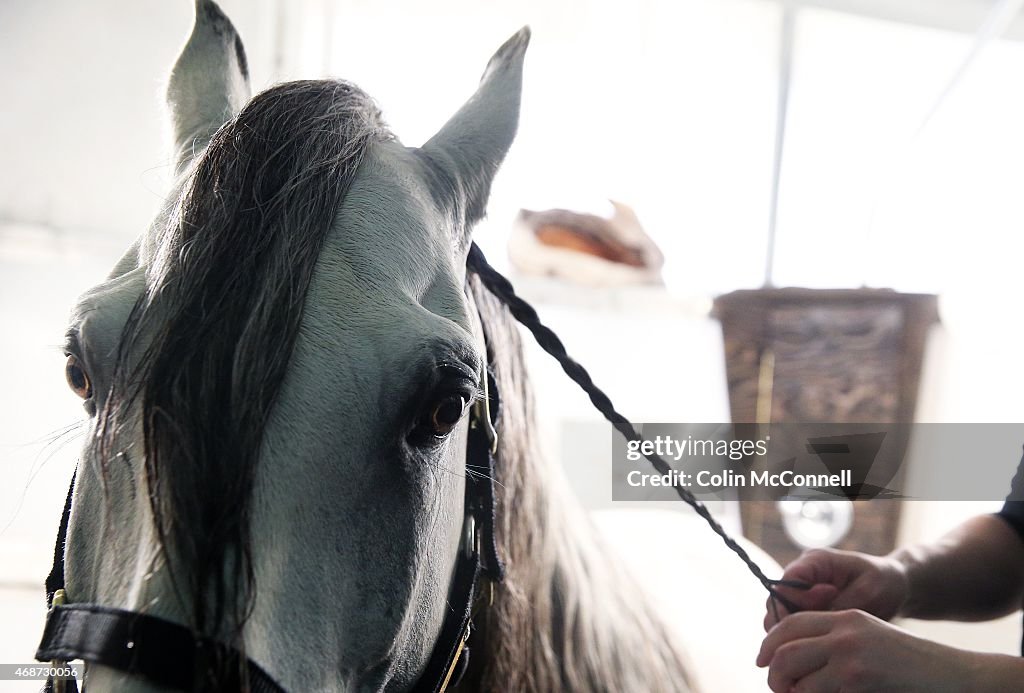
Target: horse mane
(211, 337)
(567, 616)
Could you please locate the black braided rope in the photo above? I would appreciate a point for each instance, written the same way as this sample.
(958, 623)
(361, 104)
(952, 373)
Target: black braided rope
(522, 311)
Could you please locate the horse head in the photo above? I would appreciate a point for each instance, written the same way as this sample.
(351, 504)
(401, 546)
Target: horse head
(278, 374)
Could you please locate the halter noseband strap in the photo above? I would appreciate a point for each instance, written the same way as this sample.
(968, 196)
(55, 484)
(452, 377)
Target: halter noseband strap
(170, 654)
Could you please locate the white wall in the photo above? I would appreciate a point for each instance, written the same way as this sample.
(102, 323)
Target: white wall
(82, 124)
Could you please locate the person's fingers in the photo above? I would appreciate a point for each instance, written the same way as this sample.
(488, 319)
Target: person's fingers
(820, 597)
(820, 681)
(794, 661)
(842, 580)
(808, 624)
(839, 568)
(773, 613)
(859, 594)
(880, 591)
(811, 566)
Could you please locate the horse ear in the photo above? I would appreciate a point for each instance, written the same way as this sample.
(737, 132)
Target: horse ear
(471, 146)
(209, 82)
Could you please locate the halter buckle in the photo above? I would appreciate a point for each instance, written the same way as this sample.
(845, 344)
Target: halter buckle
(455, 660)
(60, 683)
(469, 547)
(482, 415)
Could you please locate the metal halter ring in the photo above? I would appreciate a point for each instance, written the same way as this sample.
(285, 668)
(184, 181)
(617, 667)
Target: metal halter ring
(469, 536)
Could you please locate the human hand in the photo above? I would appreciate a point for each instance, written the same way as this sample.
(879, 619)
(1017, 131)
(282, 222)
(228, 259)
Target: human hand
(852, 651)
(842, 580)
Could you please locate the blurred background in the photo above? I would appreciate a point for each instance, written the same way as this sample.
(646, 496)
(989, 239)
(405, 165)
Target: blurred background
(825, 144)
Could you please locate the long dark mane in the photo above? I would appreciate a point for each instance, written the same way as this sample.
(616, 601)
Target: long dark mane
(210, 339)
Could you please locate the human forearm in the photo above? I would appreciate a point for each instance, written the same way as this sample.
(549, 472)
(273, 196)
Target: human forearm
(992, 672)
(974, 573)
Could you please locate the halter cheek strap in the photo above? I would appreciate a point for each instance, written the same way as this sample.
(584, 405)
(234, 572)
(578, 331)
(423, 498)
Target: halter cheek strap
(170, 654)
(479, 555)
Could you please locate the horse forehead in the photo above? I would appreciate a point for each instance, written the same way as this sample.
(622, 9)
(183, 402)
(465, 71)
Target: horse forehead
(390, 223)
(389, 279)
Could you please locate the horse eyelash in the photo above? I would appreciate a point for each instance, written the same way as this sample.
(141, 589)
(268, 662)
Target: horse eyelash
(476, 394)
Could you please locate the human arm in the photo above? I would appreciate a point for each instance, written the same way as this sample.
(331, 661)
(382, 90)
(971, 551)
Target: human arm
(975, 572)
(852, 651)
(841, 640)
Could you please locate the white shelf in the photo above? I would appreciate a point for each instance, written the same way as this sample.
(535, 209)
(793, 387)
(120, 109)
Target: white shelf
(636, 300)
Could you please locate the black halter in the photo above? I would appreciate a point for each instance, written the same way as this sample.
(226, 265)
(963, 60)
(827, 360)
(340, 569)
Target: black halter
(171, 654)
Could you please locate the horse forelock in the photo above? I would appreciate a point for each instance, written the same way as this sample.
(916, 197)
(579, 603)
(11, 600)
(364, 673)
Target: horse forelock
(213, 333)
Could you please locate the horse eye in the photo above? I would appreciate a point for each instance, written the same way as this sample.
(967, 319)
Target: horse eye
(78, 379)
(446, 414)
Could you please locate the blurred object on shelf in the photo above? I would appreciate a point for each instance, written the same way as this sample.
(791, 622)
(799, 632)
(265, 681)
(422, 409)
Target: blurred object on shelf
(585, 249)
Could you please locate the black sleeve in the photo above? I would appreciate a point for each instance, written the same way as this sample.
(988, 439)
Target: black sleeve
(1013, 507)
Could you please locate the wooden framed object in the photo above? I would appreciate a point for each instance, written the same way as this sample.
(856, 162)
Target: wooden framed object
(828, 356)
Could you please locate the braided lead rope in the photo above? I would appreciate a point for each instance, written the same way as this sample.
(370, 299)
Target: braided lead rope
(522, 311)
